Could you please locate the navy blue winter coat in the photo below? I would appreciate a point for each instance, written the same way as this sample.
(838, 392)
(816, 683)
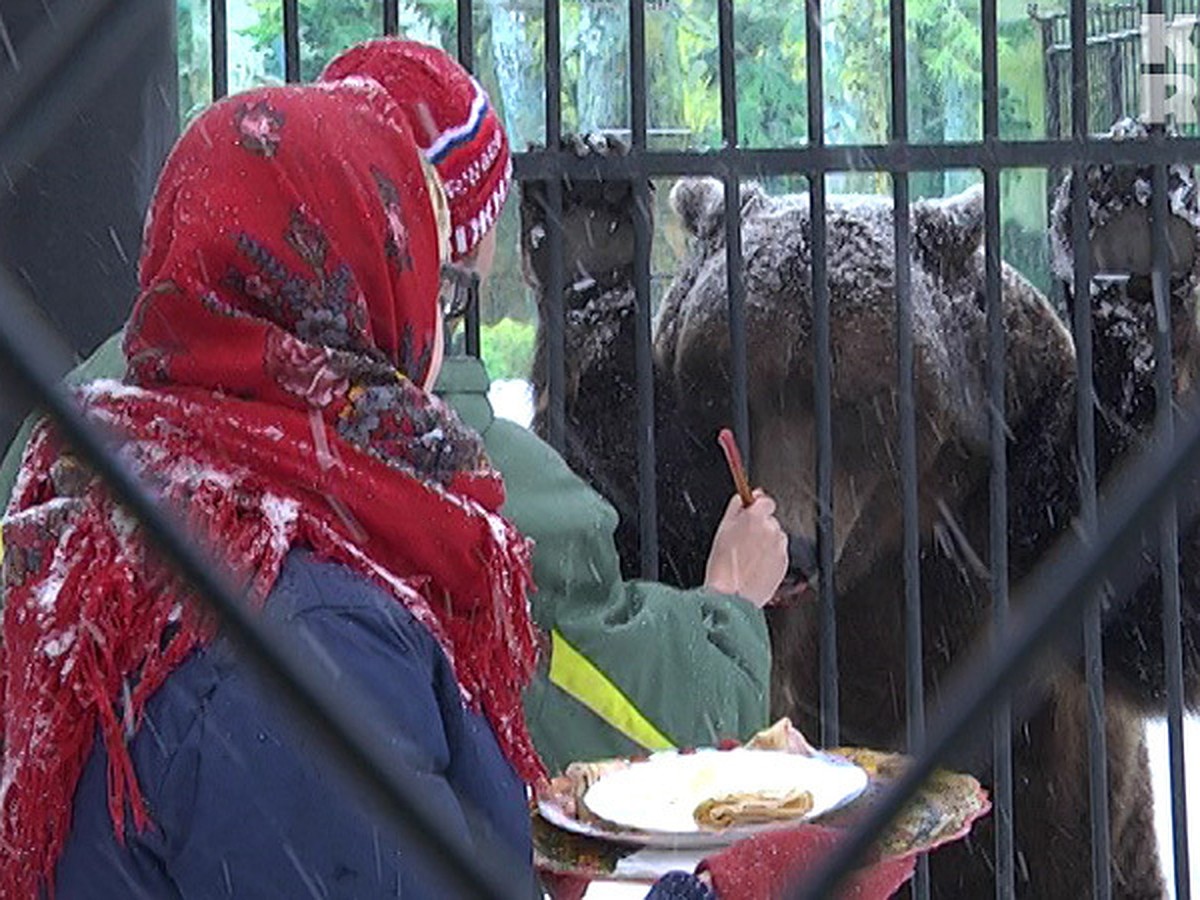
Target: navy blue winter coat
(246, 805)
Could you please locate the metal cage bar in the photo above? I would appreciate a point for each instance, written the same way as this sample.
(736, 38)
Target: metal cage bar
(466, 35)
(905, 376)
(822, 381)
(643, 354)
(733, 229)
(291, 41)
(60, 68)
(219, 29)
(1164, 430)
(473, 324)
(556, 376)
(1001, 750)
(1085, 443)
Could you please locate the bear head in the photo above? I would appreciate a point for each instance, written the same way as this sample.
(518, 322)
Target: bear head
(950, 369)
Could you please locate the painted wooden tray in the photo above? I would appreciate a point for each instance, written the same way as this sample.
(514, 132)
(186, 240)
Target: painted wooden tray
(941, 812)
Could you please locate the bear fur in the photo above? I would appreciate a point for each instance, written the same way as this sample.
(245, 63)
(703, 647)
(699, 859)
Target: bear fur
(692, 391)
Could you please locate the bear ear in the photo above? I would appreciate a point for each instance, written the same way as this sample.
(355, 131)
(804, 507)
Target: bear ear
(699, 203)
(947, 232)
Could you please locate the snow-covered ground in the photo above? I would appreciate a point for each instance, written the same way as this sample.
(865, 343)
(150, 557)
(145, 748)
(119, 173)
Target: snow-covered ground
(514, 400)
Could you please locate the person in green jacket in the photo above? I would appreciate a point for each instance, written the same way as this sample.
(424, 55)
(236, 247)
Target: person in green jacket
(628, 666)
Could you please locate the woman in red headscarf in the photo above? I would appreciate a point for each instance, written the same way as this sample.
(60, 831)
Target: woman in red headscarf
(277, 358)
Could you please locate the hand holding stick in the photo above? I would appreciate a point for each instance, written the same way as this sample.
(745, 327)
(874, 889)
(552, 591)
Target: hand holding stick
(733, 457)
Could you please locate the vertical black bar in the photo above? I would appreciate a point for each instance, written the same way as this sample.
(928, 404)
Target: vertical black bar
(466, 57)
(391, 16)
(1086, 452)
(1164, 422)
(637, 77)
(1129, 79)
(466, 35)
(998, 439)
(644, 361)
(218, 22)
(291, 41)
(553, 62)
(822, 380)
(733, 230)
(1053, 100)
(1116, 92)
(557, 376)
(998, 531)
(472, 337)
(902, 234)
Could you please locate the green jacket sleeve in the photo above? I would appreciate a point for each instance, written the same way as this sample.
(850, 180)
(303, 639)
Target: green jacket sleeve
(694, 663)
(106, 362)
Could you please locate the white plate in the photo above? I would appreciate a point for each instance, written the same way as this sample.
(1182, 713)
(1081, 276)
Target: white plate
(660, 794)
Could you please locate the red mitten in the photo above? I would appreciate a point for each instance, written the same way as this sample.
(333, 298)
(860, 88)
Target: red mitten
(564, 887)
(765, 866)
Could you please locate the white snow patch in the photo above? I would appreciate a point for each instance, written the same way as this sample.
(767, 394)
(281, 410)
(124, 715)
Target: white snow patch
(1160, 780)
(41, 511)
(512, 399)
(56, 646)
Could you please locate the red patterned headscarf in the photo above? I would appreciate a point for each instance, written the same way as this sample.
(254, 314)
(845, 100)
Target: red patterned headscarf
(289, 281)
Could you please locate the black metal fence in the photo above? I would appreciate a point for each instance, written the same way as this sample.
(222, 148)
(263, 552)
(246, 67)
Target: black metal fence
(1059, 598)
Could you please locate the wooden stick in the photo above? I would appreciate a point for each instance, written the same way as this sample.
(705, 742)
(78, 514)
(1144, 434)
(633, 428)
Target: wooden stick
(733, 457)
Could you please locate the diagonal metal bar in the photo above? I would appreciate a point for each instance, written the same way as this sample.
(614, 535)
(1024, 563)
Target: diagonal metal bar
(62, 67)
(1054, 599)
(26, 354)
(52, 47)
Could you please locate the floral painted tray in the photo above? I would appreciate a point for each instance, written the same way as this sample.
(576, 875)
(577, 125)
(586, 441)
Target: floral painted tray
(941, 812)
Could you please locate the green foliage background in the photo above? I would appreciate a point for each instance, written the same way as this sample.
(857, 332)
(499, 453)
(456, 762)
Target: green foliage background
(943, 58)
(507, 345)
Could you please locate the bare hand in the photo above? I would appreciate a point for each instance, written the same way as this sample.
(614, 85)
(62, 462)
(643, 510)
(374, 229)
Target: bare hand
(749, 555)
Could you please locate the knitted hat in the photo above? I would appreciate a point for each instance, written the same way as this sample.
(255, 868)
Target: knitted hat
(454, 124)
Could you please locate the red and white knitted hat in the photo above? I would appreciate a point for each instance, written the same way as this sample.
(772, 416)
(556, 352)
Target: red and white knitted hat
(454, 124)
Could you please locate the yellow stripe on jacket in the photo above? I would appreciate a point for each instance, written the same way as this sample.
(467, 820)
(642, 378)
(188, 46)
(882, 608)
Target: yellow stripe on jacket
(574, 673)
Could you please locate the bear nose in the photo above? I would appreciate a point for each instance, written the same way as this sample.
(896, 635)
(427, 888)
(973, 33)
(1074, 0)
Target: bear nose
(802, 558)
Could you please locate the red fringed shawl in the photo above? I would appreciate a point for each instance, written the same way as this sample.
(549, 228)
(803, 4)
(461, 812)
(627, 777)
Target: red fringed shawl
(288, 280)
